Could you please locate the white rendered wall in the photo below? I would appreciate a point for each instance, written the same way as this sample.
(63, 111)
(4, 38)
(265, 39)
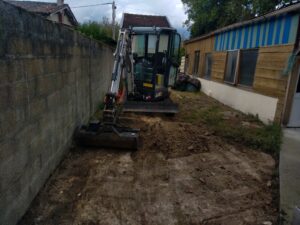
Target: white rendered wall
(245, 101)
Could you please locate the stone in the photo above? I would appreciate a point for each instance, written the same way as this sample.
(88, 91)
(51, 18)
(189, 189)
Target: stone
(267, 223)
(190, 148)
(246, 124)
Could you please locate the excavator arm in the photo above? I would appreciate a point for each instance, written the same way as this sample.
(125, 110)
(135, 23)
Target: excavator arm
(110, 103)
(109, 133)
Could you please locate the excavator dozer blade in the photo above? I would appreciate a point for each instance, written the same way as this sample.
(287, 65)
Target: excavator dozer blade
(166, 106)
(107, 136)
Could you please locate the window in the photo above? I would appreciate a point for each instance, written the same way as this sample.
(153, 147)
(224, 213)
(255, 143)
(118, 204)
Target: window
(163, 43)
(176, 46)
(247, 65)
(172, 76)
(231, 66)
(208, 63)
(138, 45)
(152, 44)
(196, 62)
(240, 67)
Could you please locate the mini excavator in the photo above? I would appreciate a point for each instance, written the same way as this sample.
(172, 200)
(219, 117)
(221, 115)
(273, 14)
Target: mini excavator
(146, 62)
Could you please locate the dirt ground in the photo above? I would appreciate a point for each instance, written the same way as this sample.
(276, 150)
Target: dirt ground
(182, 174)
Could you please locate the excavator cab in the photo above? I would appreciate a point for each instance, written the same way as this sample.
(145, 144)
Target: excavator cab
(155, 62)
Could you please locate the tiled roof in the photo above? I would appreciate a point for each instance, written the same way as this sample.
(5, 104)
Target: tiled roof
(45, 8)
(135, 20)
(38, 7)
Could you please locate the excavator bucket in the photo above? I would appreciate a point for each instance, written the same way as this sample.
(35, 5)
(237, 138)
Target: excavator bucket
(107, 136)
(166, 106)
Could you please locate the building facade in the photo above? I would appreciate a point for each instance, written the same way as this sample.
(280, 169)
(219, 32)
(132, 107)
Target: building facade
(252, 66)
(57, 12)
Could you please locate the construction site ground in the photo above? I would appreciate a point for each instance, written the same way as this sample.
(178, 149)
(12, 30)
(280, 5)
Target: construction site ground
(183, 173)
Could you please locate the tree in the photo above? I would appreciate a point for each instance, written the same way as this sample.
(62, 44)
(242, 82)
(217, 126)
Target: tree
(101, 31)
(207, 15)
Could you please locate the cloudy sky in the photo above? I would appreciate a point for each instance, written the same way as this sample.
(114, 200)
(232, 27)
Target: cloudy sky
(173, 9)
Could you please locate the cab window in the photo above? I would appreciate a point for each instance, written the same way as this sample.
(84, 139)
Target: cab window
(138, 45)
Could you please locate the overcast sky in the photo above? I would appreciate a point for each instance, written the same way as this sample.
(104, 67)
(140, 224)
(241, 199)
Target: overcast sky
(173, 9)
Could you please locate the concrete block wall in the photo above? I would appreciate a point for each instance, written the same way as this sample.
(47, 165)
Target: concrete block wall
(51, 80)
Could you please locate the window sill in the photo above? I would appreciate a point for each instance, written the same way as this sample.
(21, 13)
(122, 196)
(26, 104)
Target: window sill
(241, 87)
(229, 83)
(245, 88)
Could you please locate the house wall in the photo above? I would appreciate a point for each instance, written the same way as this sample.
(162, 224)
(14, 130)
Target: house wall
(242, 100)
(55, 18)
(218, 66)
(204, 46)
(51, 80)
(270, 79)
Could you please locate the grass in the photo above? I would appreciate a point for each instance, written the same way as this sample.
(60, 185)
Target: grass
(261, 136)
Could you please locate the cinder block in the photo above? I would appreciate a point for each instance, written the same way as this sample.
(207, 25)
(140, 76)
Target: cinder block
(47, 50)
(4, 97)
(7, 198)
(3, 72)
(11, 121)
(33, 68)
(12, 168)
(32, 91)
(46, 85)
(50, 65)
(11, 70)
(63, 63)
(26, 133)
(53, 101)
(59, 81)
(19, 202)
(36, 108)
(71, 77)
(37, 45)
(15, 46)
(18, 93)
(7, 149)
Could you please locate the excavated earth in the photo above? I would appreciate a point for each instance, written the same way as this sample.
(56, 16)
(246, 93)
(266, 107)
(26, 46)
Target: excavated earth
(182, 174)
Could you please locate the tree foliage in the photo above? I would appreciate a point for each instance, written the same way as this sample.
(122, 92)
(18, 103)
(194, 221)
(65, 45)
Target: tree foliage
(207, 15)
(101, 31)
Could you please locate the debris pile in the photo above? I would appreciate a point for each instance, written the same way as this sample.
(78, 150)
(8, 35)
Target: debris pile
(187, 83)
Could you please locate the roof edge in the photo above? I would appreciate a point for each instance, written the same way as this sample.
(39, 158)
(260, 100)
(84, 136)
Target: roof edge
(145, 15)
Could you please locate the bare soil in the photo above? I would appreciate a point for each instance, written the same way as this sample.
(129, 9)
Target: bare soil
(182, 174)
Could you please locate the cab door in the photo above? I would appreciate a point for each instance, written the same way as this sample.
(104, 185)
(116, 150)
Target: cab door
(175, 59)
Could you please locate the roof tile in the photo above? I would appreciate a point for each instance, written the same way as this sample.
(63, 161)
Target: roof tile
(136, 20)
(38, 7)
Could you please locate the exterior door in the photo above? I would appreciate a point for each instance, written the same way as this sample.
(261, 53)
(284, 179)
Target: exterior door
(295, 113)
